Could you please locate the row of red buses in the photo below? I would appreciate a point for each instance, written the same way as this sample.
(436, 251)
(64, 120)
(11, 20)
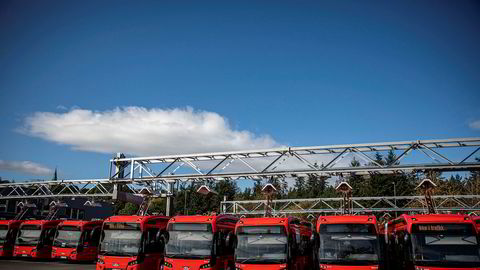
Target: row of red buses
(35, 239)
(72, 240)
(225, 242)
(348, 242)
(433, 242)
(273, 243)
(44, 239)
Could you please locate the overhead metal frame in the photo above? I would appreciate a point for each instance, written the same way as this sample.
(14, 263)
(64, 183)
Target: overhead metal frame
(261, 164)
(159, 173)
(360, 205)
(64, 188)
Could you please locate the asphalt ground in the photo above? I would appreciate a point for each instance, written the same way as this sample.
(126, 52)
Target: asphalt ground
(38, 265)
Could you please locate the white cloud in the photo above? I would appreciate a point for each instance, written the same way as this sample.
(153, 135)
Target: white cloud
(24, 167)
(141, 131)
(475, 124)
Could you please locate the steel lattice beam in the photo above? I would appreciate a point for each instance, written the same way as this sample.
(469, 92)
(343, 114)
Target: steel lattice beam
(284, 162)
(360, 204)
(157, 173)
(65, 188)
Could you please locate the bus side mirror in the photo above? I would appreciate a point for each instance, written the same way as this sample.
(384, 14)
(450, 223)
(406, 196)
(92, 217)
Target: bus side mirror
(213, 260)
(163, 237)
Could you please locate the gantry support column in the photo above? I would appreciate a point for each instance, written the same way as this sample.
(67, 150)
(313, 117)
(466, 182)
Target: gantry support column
(169, 198)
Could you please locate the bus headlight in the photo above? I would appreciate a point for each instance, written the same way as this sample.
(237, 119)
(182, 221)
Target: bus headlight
(207, 265)
(167, 264)
(100, 261)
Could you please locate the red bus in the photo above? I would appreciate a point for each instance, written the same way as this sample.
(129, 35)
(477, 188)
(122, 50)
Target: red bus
(35, 239)
(273, 243)
(77, 240)
(348, 242)
(132, 242)
(200, 242)
(434, 241)
(8, 233)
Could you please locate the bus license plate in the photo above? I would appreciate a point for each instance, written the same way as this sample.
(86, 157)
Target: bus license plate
(63, 257)
(24, 255)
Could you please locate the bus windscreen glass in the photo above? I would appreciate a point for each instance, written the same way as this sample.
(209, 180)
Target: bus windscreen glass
(440, 243)
(348, 244)
(261, 244)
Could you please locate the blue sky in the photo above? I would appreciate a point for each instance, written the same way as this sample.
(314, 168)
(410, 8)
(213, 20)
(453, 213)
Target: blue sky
(292, 73)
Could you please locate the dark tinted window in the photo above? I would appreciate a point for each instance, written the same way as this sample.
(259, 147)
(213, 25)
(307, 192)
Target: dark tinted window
(68, 228)
(464, 229)
(190, 227)
(30, 227)
(121, 226)
(261, 230)
(347, 228)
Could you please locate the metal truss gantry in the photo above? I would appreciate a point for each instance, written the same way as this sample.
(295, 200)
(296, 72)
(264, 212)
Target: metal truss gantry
(417, 204)
(90, 188)
(284, 162)
(159, 173)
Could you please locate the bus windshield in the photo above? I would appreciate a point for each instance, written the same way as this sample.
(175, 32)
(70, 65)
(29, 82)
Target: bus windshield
(348, 244)
(120, 239)
(67, 236)
(29, 235)
(261, 244)
(437, 244)
(189, 240)
(3, 234)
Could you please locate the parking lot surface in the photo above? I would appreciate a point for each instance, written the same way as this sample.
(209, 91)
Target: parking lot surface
(34, 265)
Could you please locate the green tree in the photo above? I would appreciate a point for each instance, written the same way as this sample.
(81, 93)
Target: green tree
(129, 209)
(299, 188)
(315, 185)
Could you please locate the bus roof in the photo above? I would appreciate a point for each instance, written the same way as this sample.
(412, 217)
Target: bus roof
(10, 222)
(80, 223)
(41, 222)
(203, 219)
(409, 220)
(276, 221)
(347, 219)
(273, 221)
(264, 221)
(134, 219)
(435, 218)
(351, 219)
